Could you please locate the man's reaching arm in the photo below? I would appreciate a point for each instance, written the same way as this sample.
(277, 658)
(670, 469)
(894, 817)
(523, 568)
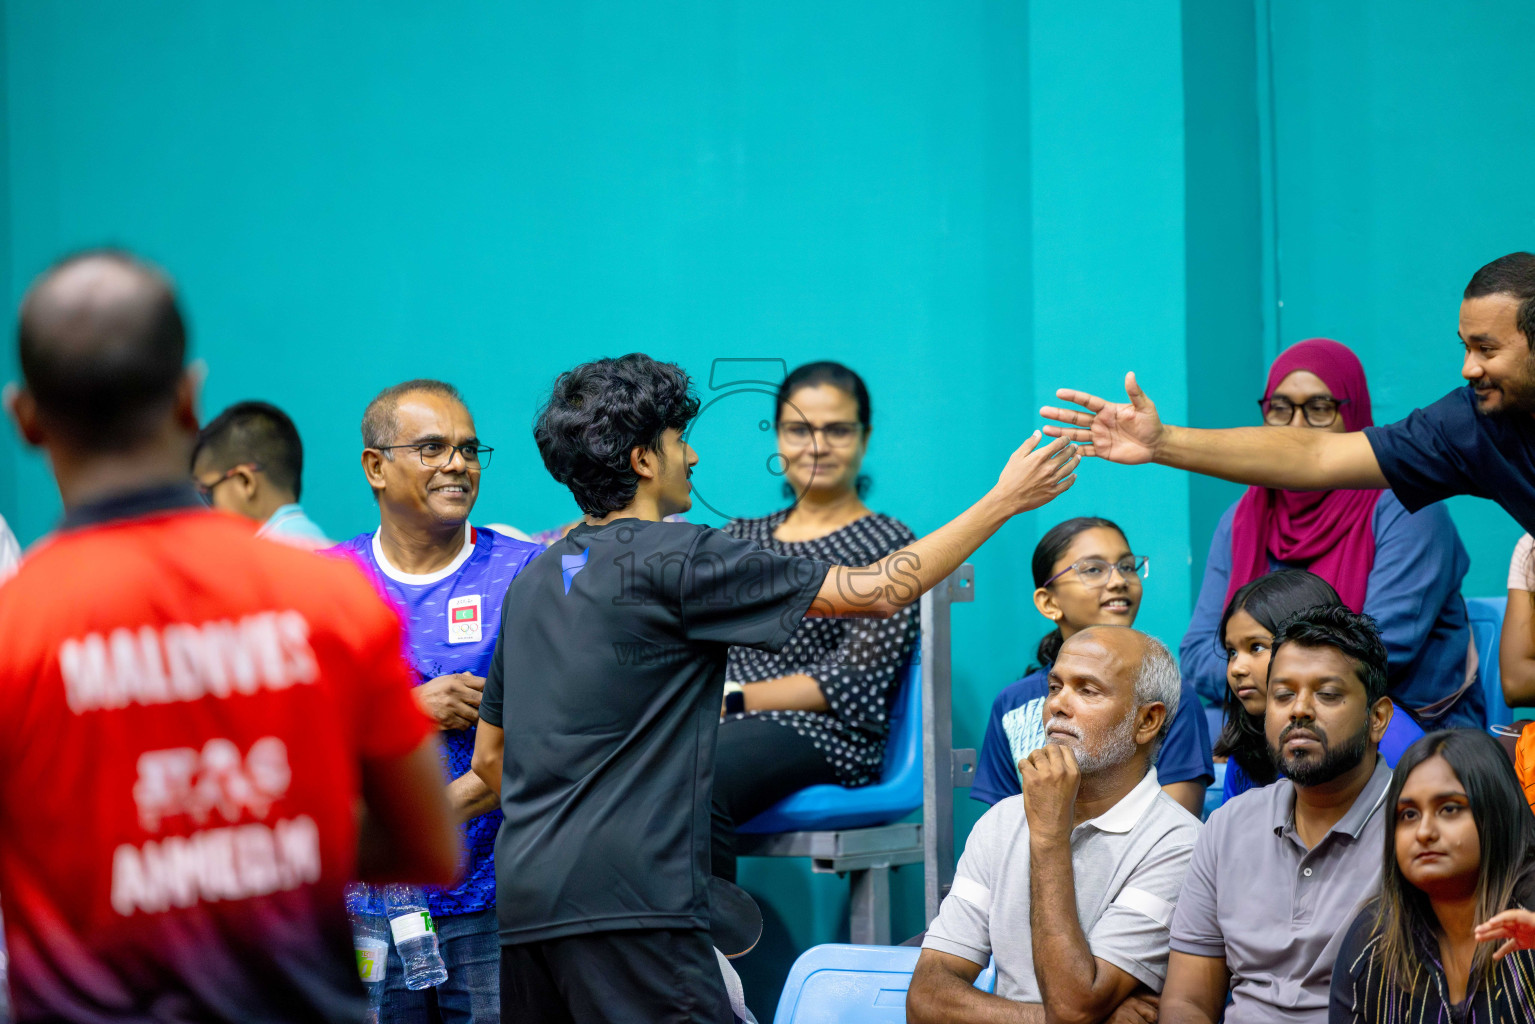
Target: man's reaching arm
(406, 833)
(943, 992)
(1195, 992)
(1035, 475)
(1132, 433)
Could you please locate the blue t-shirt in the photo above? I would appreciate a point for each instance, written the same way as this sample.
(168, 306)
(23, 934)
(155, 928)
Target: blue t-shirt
(1449, 448)
(1401, 733)
(451, 620)
(1016, 721)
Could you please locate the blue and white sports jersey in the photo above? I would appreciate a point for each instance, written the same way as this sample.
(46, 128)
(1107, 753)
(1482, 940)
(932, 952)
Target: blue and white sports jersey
(451, 619)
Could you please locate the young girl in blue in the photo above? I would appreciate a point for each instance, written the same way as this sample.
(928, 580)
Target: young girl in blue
(1246, 633)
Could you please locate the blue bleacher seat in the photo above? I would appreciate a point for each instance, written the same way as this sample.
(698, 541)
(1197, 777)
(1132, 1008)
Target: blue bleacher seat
(1486, 614)
(895, 795)
(840, 984)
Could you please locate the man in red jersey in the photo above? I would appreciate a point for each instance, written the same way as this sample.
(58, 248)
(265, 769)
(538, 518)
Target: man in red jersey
(190, 717)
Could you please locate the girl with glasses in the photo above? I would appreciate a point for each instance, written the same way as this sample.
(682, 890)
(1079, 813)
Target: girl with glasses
(1442, 942)
(1085, 575)
(1403, 569)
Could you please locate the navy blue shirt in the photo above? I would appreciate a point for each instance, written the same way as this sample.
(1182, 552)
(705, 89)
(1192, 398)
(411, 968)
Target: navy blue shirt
(1019, 708)
(1412, 593)
(1449, 448)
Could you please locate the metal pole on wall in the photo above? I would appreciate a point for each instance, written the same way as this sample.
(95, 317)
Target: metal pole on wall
(943, 767)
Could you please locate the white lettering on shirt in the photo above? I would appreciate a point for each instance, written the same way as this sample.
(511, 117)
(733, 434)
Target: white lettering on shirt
(232, 863)
(182, 662)
(182, 782)
(229, 862)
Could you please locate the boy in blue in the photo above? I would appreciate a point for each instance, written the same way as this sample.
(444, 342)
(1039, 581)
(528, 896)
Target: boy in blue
(1085, 575)
(423, 460)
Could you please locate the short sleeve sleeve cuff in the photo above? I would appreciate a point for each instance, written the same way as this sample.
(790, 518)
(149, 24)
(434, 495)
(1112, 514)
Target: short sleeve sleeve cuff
(1521, 569)
(1184, 945)
(979, 957)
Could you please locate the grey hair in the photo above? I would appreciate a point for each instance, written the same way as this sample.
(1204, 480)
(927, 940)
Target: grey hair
(1157, 681)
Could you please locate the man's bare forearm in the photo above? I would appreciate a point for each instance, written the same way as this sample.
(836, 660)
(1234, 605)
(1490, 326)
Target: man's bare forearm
(939, 996)
(1063, 962)
(469, 797)
(1195, 991)
(1178, 1012)
(1297, 460)
(900, 578)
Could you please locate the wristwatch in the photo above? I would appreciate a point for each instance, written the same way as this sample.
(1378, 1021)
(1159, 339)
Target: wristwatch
(735, 698)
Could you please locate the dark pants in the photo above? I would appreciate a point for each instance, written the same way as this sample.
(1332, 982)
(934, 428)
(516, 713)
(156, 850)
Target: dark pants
(667, 976)
(468, 945)
(757, 763)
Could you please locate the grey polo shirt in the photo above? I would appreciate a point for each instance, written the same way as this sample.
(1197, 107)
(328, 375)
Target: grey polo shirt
(1275, 911)
(1128, 865)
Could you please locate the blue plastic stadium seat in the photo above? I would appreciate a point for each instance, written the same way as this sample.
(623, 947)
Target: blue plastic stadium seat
(1486, 614)
(897, 794)
(838, 984)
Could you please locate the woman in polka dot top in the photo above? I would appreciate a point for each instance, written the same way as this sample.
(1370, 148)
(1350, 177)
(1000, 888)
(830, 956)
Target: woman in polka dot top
(819, 710)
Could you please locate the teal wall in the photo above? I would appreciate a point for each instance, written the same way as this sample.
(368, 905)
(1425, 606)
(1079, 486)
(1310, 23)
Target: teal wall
(1401, 135)
(972, 203)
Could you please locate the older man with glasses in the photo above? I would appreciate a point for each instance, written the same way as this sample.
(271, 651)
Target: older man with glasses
(423, 460)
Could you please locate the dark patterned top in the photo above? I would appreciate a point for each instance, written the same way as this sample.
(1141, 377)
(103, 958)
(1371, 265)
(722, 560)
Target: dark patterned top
(1361, 993)
(857, 662)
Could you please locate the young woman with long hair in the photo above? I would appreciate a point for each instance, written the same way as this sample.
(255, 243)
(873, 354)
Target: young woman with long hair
(1459, 852)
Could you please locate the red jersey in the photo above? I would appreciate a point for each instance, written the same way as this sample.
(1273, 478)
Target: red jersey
(184, 709)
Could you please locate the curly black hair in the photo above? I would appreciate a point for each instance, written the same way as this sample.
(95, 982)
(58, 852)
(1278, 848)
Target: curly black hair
(601, 411)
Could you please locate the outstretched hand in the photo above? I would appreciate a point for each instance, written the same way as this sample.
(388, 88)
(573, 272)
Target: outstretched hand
(1517, 926)
(1124, 432)
(1036, 474)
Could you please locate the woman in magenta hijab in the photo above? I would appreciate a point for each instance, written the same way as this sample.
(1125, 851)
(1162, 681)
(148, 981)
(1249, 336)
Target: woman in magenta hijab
(1403, 569)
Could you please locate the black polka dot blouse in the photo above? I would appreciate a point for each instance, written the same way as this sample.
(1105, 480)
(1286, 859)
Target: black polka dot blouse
(857, 662)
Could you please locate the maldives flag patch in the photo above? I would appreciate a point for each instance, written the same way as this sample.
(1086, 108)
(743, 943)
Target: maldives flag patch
(464, 619)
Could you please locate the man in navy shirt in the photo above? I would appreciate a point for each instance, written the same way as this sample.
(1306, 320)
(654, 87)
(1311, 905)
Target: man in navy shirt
(423, 460)
(1477, 440)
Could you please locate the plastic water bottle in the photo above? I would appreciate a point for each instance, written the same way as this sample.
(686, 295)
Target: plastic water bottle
(370, 942)
(415, 936)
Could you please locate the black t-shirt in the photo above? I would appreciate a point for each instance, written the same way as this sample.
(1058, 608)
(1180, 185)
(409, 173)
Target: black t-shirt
(607, 678)
(1449, 448)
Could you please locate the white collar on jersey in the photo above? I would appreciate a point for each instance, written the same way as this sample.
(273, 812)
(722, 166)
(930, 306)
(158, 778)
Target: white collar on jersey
(422, 579)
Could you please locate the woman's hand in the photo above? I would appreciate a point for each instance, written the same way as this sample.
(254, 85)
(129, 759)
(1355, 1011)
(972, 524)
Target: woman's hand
(1036, 475)
(1517, 926)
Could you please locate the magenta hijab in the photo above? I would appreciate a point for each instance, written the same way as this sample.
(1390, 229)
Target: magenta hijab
(1331, 533)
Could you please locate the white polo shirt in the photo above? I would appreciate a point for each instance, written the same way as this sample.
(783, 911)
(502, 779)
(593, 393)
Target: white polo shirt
(1127, 864)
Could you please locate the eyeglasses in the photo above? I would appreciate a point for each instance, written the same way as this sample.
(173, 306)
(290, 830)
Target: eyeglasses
(1320, 412)
(437, 454)
(205, 491)
(836, 434)
(1095, 572)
